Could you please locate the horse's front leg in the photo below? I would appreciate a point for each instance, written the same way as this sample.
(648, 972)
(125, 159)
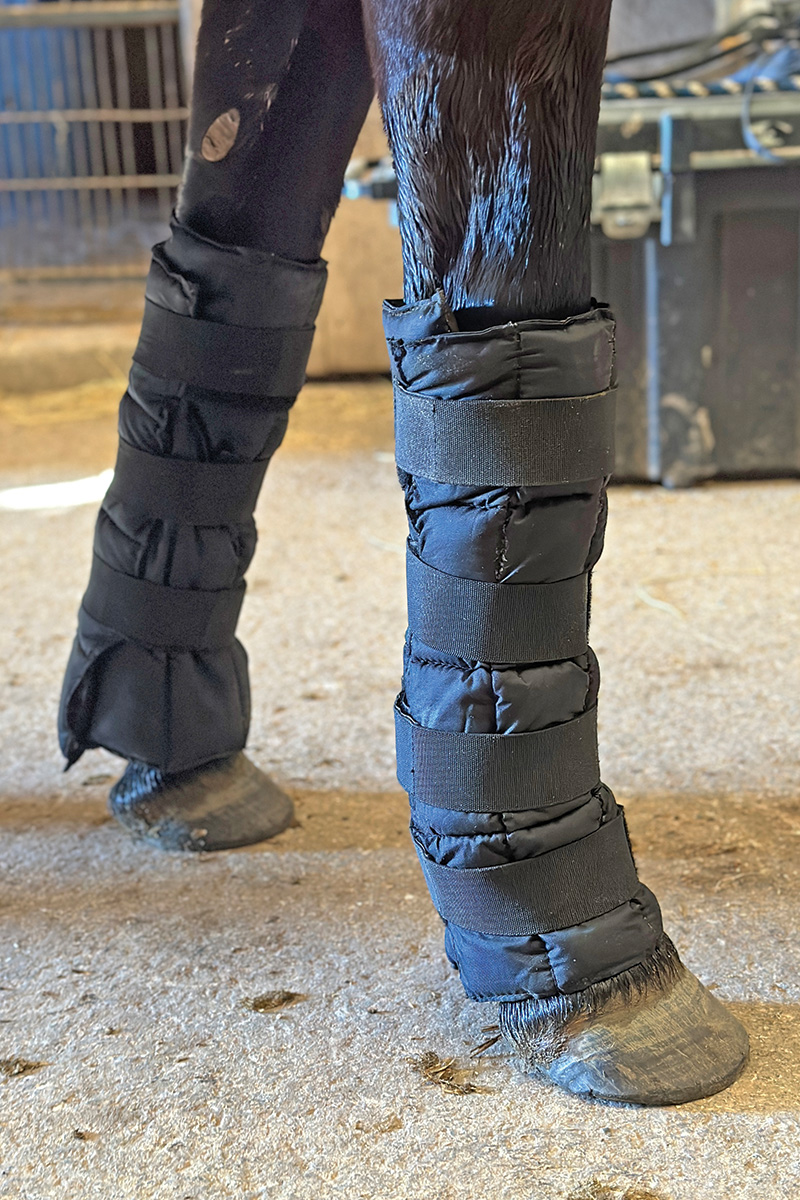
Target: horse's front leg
(504, 372)
(156, 674)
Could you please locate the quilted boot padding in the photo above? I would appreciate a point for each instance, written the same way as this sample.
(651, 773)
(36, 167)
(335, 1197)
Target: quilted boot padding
(547, 532)
(156, 674)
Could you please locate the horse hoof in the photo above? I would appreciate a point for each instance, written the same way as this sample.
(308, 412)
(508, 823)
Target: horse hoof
(218, 806)
(662, 1048)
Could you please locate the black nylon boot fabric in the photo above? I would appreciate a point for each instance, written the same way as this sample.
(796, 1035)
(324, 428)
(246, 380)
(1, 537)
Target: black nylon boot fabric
(178, 707)
(517, 535)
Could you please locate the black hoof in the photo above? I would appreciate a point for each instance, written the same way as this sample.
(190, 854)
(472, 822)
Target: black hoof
(665, 1049)
(652, 1035)
(218, 806)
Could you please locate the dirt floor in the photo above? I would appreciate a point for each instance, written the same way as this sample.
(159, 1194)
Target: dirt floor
(143, 1050)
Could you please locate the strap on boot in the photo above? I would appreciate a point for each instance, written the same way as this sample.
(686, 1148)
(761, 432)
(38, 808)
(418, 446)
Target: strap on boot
(497, 622)
(505, 443)
(225, 358)
(497, 772)
(195, 493)
(228, 319)
(566, 886)
(158, 615)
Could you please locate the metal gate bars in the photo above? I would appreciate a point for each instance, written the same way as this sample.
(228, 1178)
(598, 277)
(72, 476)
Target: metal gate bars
(92, 127)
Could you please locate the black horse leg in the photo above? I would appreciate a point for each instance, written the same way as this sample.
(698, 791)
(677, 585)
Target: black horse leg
(503, 369)
(281, 90)
(156, 675)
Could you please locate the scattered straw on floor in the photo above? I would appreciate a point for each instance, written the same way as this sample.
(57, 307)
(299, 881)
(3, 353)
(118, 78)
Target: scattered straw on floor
(389, 1125)
(477, 1051)
(272, 1001)
(445, 1074)
(14, 1068)
(597, 1190)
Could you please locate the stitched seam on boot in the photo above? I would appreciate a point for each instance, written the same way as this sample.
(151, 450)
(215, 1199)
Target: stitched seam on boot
(414, 508)
(397, 349)
(551, 972)
(517, 367)
(501, 559)
(612, 341)
(602, 520)
(509, 998)
(636, 904)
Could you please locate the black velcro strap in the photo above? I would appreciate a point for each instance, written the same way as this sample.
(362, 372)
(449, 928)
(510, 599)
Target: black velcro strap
(497, 622)
(226, 358)
(181, 618)
(505, 443)
(489, 772)
(564, 887)
(175, 489)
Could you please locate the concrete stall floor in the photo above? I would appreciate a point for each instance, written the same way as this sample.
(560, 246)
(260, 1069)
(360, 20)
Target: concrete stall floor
(134, 1060)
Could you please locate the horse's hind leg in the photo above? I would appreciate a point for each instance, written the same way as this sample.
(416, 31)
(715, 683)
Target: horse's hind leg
(503, 367)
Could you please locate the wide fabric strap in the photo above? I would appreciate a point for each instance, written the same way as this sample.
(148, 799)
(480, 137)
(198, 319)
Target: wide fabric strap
(563, 887)
(176, 618)
(497, 622)
(225, 358)
(497, 772)
(504, 443)
(176, 489)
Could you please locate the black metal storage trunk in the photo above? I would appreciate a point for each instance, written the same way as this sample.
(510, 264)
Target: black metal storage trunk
(707, 291)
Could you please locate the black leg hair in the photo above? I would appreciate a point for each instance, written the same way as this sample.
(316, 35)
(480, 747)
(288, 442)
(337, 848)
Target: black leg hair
(280, 93)
(491, 110)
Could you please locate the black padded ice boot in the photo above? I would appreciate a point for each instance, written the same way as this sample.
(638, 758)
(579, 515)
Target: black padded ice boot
(504, 446)
(156, 674)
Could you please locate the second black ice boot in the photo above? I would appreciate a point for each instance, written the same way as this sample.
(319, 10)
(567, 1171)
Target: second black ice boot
(156, 673)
